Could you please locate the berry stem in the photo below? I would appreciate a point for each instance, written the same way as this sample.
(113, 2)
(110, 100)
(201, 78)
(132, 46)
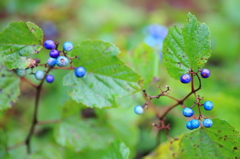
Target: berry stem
(48, 122)
(27, 81)
(36, 105)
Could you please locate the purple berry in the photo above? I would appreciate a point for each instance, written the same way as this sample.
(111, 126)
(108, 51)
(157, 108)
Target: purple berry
(186, 78)
(49, 78)
(54, 53)
(205, 73)
(49, 44)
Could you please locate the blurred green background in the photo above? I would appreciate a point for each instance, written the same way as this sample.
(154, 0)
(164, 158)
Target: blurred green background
(125, 23)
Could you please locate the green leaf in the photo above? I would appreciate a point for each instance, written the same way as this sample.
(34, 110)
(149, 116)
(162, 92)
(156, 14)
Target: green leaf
(145, 61)
(9, 87)
(3, 145)
(116, 150)
(107, 76)
(165, 150)
(19, 40)
(218, 142)
(186, 47)
(78, 135)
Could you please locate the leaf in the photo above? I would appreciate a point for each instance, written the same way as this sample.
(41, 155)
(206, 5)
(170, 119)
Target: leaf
(107, 77)
(3, 145)
(145, 61)
(78, 135)
(9, 87)
(116, 150)
(218, 142)
(186, 47)
(165, 150)
(19, 40)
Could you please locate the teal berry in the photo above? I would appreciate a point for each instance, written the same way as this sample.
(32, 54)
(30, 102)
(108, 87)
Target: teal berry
(207, 123)
(189, 125)
(195, 123)
(62, 61)
(138, 109)
(67, 46)
(80, 71)
(21, 72)
(49, 78)
(208, 105)
(187, 112)
(186, 78)
(52, 61)
(39, 75)
(49, 44)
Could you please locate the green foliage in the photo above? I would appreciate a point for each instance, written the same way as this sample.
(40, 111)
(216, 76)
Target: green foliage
(18, 40)
(107, 76)
(3, 145)
(186, 47)
(9, 87)
(219, 141)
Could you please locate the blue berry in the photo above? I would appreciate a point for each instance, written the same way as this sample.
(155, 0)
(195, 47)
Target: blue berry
(186, 78)
(138, 109)
(208, 105)
(80, 71)
(189, 125)
(187, 112)
(51, 62)
(195, 123)
(54, 53)
(207, 123)
(62, 61)
(205, 73)
(39, 75)
(67, 46)
(49, 78)
(49, 44)
(21, 72)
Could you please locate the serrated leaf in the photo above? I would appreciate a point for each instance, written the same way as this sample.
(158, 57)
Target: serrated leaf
(186, 47)
(107, 76)
(19, 40)
(9, 87)
(78, 135)
(218, 142)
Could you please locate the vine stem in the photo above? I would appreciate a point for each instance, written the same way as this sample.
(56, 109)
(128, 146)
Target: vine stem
(36, 105)
(29, 82)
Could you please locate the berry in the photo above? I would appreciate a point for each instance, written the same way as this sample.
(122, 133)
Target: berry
(207, 123)
(189, 125)
(205, 73)
(195, 123)
(138, 109)
(49, 78)
(21, 72)
(186, 78)
(187, 112)
(80, 71)
(62, 61)
(54, 53)
(67, 46)
(208, 105)
(39, 75)
(49, 44)
(52, 62)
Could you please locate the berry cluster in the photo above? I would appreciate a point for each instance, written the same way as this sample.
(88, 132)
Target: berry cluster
(58, 58)
(187, 111)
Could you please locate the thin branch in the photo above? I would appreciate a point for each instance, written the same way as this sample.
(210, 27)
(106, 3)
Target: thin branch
(29, 82)
(48, 122)
(34, 121)
(16, 146)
